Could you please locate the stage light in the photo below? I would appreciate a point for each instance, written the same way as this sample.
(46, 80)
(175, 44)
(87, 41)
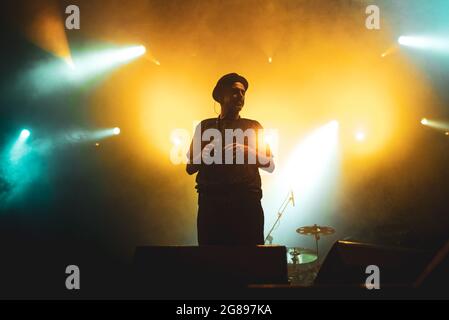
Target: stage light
(78, 68)
(90, 64)
(270, 59)
(411, 41)
(127, 53)
(83, 136)
(360, 136)
(47, 30)
(20, 148)
(150, 57)
(176, 141)
(22, 164)
(310, 172)
(334, 125)
(69, 62)
(446, 133)
(390, 50)
(24, 134)
(439, 125)
(101, 134)
(269, 138)
(423, 42)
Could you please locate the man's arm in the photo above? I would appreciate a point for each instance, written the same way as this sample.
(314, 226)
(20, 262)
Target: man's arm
(191, 166)
(267, 160)
(193, 155)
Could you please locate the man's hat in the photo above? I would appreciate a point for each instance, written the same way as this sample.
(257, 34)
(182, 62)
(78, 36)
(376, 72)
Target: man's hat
(225, 81)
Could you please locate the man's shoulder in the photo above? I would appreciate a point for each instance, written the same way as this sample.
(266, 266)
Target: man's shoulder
(209, 120)
(249, 123)
(252, 123)
(207, 123)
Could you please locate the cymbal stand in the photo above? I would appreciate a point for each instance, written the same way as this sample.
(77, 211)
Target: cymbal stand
(281, 210)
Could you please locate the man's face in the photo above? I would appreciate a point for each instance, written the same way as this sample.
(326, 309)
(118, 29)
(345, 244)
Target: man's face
(234, 96)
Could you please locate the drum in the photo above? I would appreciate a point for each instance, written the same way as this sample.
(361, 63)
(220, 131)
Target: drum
(300, 256)
(301, 265)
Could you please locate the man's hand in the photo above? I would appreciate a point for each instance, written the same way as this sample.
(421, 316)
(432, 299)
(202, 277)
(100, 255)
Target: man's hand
(193, 166)
(249, 152)
(239, 148)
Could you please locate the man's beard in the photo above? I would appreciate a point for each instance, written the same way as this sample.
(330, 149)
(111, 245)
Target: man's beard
(238, 106)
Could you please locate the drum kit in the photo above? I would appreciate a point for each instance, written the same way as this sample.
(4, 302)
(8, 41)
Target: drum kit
(303, 264)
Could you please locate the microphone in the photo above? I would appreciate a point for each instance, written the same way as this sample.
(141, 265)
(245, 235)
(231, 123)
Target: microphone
(292, 197)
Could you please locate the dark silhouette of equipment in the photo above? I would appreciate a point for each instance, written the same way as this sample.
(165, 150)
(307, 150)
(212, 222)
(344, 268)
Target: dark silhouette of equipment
(347, 261)
(195, 270)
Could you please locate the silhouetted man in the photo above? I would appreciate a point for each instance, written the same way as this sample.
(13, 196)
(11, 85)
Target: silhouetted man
(229, 190)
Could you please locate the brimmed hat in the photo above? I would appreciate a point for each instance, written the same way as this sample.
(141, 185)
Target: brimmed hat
(225, 81)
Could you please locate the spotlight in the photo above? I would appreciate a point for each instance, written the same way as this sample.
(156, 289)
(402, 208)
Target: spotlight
(360, 136)
(270, 139)
(20, 148)
(311, 171)
(403, 40)
(390, 51)
(140, 50)
(334, 124)
(310, 159)
(420, 42)
(447, 133)
(424, 121)
(79, 67)
(116, 131)
(176, 141)
(270, 59)
(24, 134)
(69, 62)
(90, 64)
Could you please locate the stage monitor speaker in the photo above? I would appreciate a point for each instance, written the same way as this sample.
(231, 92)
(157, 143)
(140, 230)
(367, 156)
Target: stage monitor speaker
(209, 266)
(435, 276)
(347, 261)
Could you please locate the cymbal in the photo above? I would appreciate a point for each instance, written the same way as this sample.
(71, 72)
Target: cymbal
(315, 230)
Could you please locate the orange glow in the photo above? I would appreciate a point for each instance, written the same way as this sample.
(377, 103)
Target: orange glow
(150, 57)
(393, 49)
(47, 31)
(323, 68)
